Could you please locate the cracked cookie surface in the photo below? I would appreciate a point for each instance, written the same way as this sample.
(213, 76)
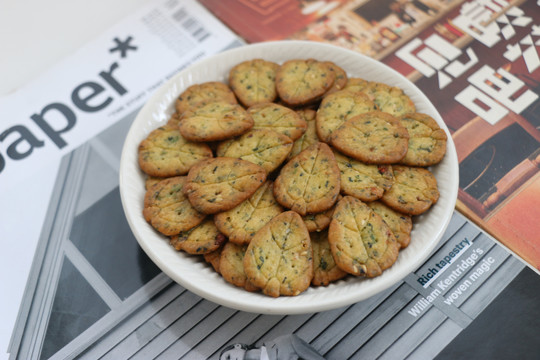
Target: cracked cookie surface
(400, 224)
(337, 108)
(427, 141)
(279, 258)
(202, 239)
(375, 137)
(221, 183)
(254, 81)
(390, 99)
(278, 118)
(165, 152)
(242, 222)
(362, 244)
(201, 94)
(367, 182)
(310, 181)
(215, 121)
(414, 190)
(167, 209)
(300, 82)
(264, 147)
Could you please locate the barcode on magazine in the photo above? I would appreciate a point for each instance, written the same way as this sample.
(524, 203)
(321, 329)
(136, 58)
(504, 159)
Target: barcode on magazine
(191, 25)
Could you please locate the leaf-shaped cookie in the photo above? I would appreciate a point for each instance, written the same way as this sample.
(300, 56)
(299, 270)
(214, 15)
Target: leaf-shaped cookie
(302, 81)
(427, 141)
(310, 181)
(231, 266)
(389, 99)
(167, 209)
(337, 108)
(341, 77)
(263, 147)
(399, 223)
(375, 137)
(254, 81)
(278, 118)
(242, 222)
(165, 152)
(221, 183)
(215, 121)
(325, 269)
(361, 242)
(201, 94)
(279, 258)
(367, 182)
(414, 190)
(203, 239)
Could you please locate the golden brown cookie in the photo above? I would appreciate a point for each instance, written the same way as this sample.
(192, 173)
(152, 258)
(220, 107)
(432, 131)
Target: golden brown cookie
(213, 257)
(366, 182)
(221, 183)
(174, 120)
(309, 137)
(151, 180)
(337, 108)
(375, 137)
(242, 222)
(215, 121)
(165, 152)
(414, 190)
(231, 266)
(325, 269)
(310, 181)
(203, 239)
(254, 81)
(278, 118)
(167, 209)
(427, 141)
(340, 80)
(400, 224)
(279, 258)
(201, 94)
(361, 242)
(390, 99)
(263, 147)
(300, 82)
(356, 84)
(319, 221)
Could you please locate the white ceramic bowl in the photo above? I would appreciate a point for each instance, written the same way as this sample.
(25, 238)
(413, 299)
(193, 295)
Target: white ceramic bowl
(192, 272)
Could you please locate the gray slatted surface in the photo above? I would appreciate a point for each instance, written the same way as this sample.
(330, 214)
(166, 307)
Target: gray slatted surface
(188, 327)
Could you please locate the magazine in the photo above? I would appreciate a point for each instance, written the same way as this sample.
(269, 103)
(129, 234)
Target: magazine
(478, 63)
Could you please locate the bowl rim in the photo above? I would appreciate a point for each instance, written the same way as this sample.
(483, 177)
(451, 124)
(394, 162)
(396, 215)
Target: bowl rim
(282, 305)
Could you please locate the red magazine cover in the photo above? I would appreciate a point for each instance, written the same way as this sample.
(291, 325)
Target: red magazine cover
(478, 63)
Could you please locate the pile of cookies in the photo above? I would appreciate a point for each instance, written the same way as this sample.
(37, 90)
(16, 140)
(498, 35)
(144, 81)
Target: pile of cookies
(291, 175)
